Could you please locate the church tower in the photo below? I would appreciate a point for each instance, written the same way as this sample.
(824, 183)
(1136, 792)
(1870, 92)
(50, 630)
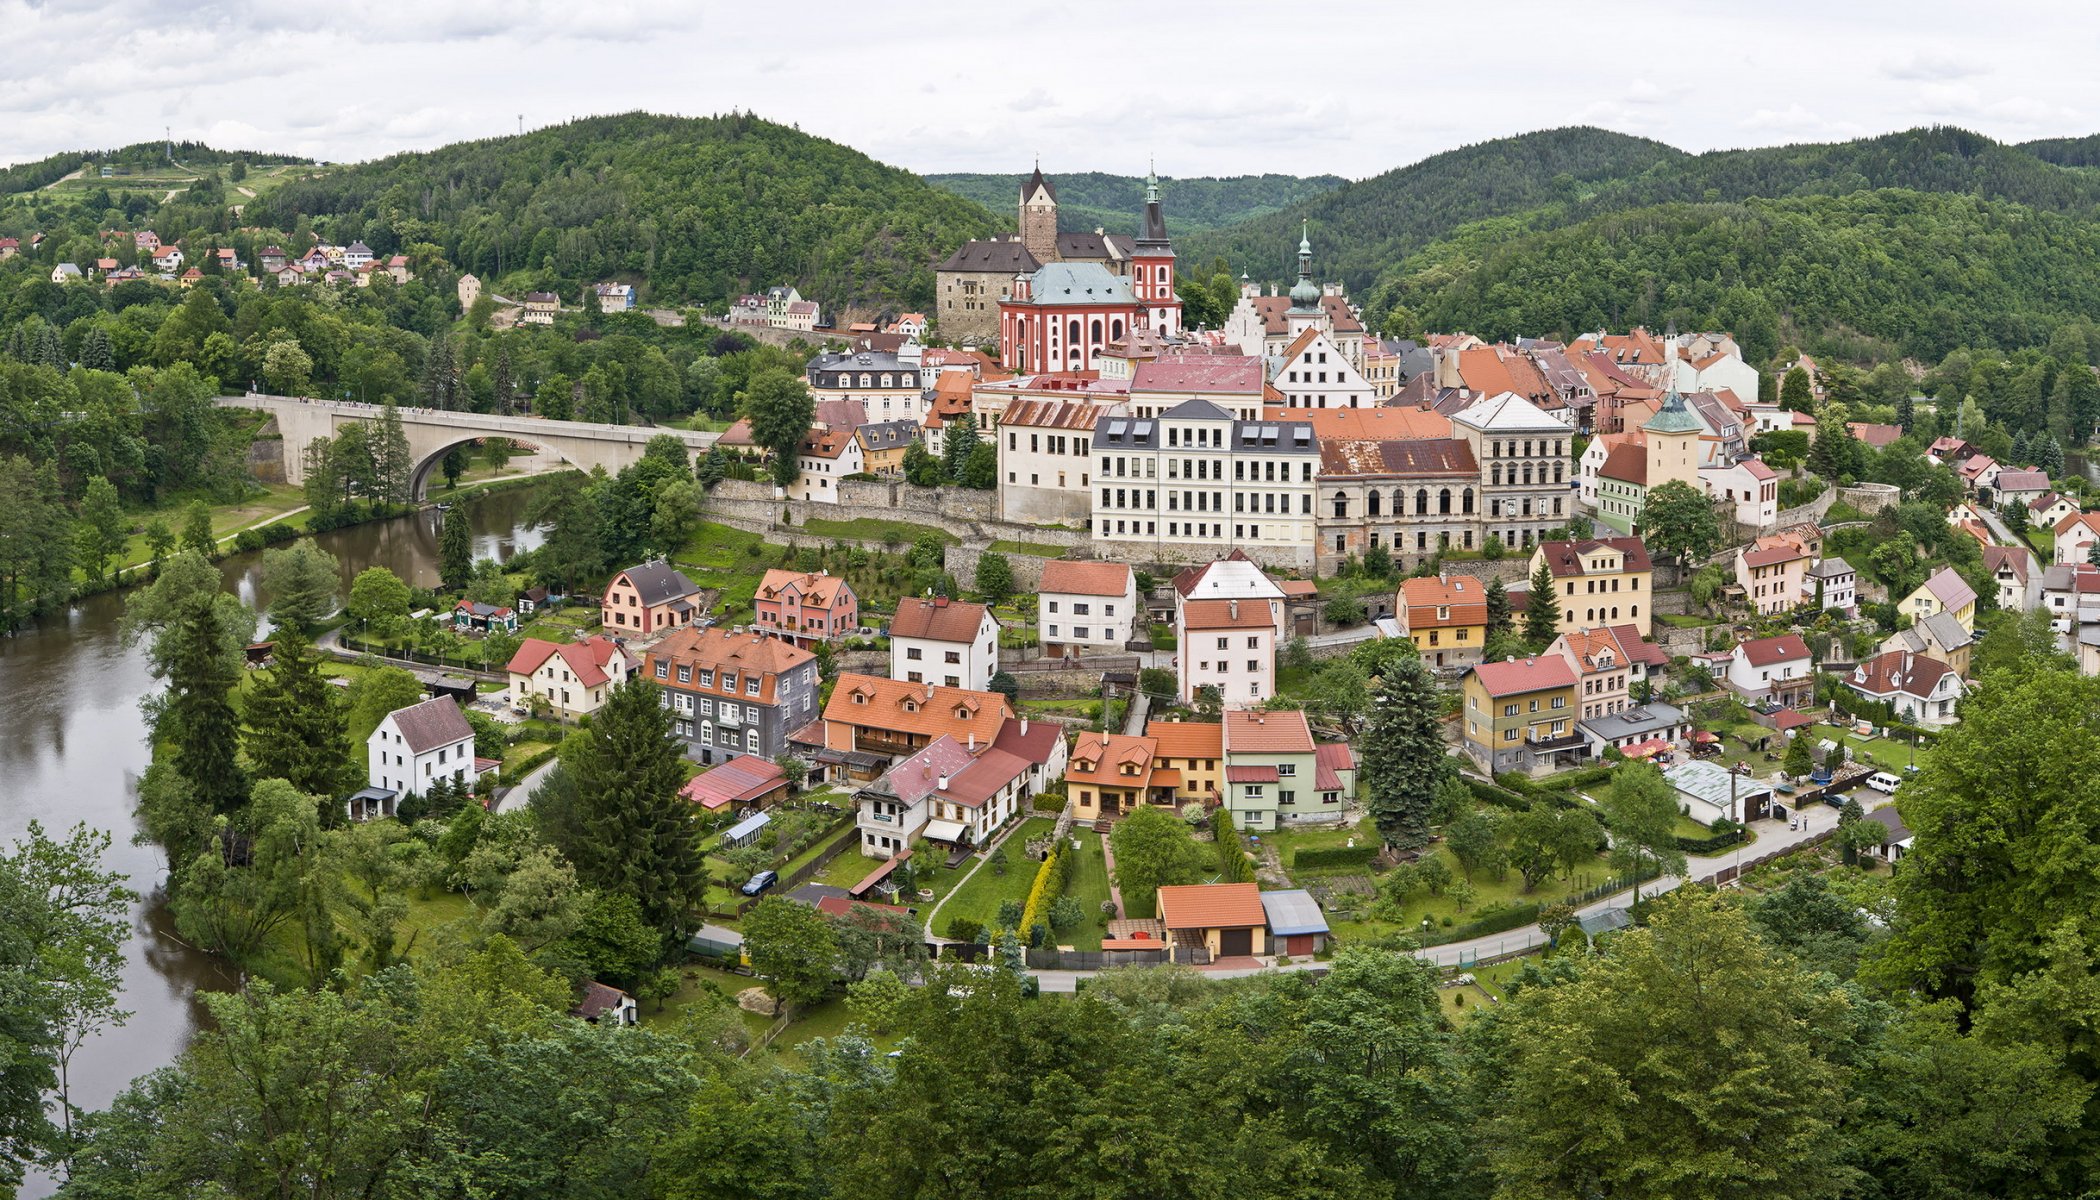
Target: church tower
(1305, 311)
(1673, 437)
(1039, 217)
(1152, 267)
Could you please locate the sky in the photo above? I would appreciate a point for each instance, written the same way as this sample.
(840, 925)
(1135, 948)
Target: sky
(1345, 87)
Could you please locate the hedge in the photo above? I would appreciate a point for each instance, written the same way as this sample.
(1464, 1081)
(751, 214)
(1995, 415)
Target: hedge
(511, 776)
(1317, 858)
(1494, 794)
(1233, 866)
(1048, 886)
(1707, 845)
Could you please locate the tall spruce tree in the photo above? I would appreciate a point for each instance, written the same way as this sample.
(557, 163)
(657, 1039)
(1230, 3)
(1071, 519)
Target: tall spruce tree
(1498, 620)
(505, 381)
(198, 716)
(957, 445)
(1541, 608)
(297, 730)
(636, 835)
(1403, 753)
(391, 463)
(455, 549)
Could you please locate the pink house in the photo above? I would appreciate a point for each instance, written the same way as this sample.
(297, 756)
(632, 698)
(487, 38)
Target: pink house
(1771, 570)
(648, 598)
(805, 608)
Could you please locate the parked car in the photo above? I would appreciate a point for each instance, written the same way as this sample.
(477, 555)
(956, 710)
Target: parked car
(760, 882)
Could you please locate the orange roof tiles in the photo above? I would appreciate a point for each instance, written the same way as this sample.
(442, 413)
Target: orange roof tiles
(1463, 598)
(939, 619)
(1212, 906)
(1273, 731)
(727, 654)
(1074, 578)
(1367, 424)
(1518, 676)
(587, 659)
(1227, 614)
(814, 590)
(1111, 760)
(1187, 739)
(868, 702)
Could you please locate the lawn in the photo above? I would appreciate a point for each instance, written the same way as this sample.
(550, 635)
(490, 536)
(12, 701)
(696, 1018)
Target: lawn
(878, 529)
(979, 899)
(1288, 841)
(1038, 549)
(1090, 888)
(699, 985)
(1886, 753)
(1684, 620)
(1490, 895)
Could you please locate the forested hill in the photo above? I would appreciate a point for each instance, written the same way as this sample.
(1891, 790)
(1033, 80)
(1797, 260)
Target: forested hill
(141, 156)
(2067, 152)
(1361, 227)
(702, 208)
(1092, 200)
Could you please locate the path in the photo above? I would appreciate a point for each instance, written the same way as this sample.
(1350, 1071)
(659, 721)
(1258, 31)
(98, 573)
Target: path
(245, 191)
(77, 173)
(514, 799)
(1108, 863)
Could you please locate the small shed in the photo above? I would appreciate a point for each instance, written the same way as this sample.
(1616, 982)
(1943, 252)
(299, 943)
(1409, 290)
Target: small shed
(461, 690)
(1610, 920)
(1296, 925)
(746, 831)
(604, 1003)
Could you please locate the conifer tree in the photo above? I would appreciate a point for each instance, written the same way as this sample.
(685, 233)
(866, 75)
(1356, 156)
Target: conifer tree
(455, 549)
(636, 836)
(198, 717)
(296, 727)
(1403, 753)
(1541, 608)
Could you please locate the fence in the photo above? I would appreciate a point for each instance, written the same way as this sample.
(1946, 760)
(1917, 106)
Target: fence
(1732, 872)
(1050, 958)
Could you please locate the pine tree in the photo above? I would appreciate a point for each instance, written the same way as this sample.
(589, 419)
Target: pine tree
(506, 383)
(637, 836)
(1403, 753)
(714, 466)
(50, 352)
(1497, 608)
(455, 549)
(96, 353)
(1906, 412)
(957, 445)
(1541, 608)
(440, 383)
(198, 717)
(296, 728)
(391, 461)
(196, 529)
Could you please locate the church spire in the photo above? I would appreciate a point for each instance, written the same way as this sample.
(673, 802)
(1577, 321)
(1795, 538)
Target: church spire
(1305, 294)
(1152, 238)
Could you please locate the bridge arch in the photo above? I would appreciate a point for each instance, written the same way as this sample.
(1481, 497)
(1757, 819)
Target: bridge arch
(427, 460)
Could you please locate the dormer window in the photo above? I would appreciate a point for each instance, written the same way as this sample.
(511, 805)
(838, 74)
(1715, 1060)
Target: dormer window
(911, 706)
(860, 697)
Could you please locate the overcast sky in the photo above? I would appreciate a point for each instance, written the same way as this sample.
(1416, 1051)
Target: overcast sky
(1349, 87)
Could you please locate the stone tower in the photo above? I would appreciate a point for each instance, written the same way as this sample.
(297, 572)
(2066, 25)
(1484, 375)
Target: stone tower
(1673, 436)
(1039, 217)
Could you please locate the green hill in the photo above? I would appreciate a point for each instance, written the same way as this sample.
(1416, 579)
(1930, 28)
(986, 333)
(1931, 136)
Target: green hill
(703, 208)
(2067, 152)
(1092, 200)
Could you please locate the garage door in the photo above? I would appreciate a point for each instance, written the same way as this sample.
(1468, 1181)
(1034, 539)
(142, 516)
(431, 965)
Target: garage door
(1297, 944)
(1236, 941)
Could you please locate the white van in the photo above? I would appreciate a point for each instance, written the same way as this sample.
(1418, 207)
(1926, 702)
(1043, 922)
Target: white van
(1882, 781)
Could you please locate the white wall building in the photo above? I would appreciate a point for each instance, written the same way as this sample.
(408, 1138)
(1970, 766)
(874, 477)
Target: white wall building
(949, 643)
(1046, 465)
(1314, 373)
(416, 746)
(1085, 607)
(1196, 477)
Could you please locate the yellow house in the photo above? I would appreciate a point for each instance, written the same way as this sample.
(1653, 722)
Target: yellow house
(1111, 774)
(1599, 581)
(1445, 618)
(883, 443)
(1946, 592)
(1520, 715)
(1196, 750)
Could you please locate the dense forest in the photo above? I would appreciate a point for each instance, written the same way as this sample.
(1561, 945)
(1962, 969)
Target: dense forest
(1092, 200)
(702, 209)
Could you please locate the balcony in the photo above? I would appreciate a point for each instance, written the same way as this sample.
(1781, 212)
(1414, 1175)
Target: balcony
(1545, 741)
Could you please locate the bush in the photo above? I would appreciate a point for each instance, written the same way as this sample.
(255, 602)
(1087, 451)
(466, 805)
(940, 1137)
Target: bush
(1333, 858)
(1501, 797)
(1066, 914)
(963, 929)
(248, 540)
(1010, 913)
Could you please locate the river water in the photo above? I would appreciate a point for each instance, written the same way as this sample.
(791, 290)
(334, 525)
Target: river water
(72, 748)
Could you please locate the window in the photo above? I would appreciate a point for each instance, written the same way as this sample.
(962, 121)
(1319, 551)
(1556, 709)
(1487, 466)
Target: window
(707, 677)
(663, 671)
(751, 685)
(912, 654)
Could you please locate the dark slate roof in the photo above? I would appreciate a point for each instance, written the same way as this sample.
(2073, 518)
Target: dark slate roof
(1094, 247)
(433, 723)
(659, 583)
(999, 255)
(1038, 180)
(888, 435)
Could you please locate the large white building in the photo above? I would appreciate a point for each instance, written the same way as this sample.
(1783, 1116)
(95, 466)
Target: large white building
(1086, 607)
(1315, 373)
(948, 643)
(1195, 476)
(1046, 461)
(416, 746)
(890, 386)
(1228, 622)
(1524, 454)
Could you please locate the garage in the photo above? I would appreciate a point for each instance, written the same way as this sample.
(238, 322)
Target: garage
(1235, 941)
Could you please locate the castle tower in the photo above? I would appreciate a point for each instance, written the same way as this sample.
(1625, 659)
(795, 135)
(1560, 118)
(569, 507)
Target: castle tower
(1673, 444)
(1038, 221)
(1152, 267)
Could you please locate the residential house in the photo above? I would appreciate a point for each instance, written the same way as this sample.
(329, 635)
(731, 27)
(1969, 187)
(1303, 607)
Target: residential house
(2020, 486)
(356, 255)
(1334, 774)
(1229, 645)
(2075, 535)
(1040, 744)
(1226, 920)
(1923, 691)
(1877, 436)
(1445, 618)
(883, 443)
(1938, 636)
(1234, 384)
(1773, 670)
(472, 616)
(1111, 774)
(805, 608)
(614, 297)
(2044, 511)
(1046, 460)
(2014, 570)
(894, 717)
(568, 679)
(1297, 927)
(1271, 767)
(1748, 488)
(950, 642)
(1602, 581)
(649, 598)
(1520, 715)
(1943, 591)
(540, 308)
(1603, 668)
(1084, 607)
(9, 247)
(272, 258)
(1631, 728)
(604, 1004)
(66, 272)
(2071, 594)
(743, 783)
(1411, 496)
(1832, 586)
(1313, 372)
(396, 268)
(943, 794)
(416, 746)
(889, 384)
(469, 286)
(1773, 573)
(822, 459)
(190, 278)
(1708, 792)
(1196, 751)
(145, 239)
(1896, 838)
(734, 693)
(1197, 476)
(892, 812)
(1526, 455)
(1979, 473)
(168, 258)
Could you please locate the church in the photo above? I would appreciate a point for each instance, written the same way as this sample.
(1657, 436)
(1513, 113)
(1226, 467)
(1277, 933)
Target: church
(1112, 280)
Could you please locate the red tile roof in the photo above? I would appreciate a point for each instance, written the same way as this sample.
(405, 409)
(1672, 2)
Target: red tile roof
(1628, 463)
(1275, 731)
(1462, 596)
(741, 780)
(1187, 739)
(1514, 677)
(1212, 906)
(939, 619)
(1251, 774)
(726, 654)
(1763, 652)
(1566, 558)
(869, 702)
(1074, 578)
(587, 659)
(1211, 373)
(1250, 613)
(1899, 671)
(815, 591)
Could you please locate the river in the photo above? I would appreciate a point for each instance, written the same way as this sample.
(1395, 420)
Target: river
(73, 745)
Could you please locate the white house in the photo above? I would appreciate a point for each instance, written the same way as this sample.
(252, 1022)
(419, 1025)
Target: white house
(2013, 569)
(1229, 645)
(825, 457)
(614, 297)
(66, 272)
(569, 678)
(2075, 536)
(1709, 362)
(1840, 584)
(949, 643)
(1778, 669)
(892, 812)
(1314, 373)
(416, 746)
(168, 258)
(1084, 607)
(1922, 690)
(1748, 488)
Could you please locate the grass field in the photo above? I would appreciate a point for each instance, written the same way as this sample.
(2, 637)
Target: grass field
(877, 529)
(1038, 549)
(979, 899)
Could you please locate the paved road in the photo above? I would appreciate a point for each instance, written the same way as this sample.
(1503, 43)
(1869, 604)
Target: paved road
(514, 799)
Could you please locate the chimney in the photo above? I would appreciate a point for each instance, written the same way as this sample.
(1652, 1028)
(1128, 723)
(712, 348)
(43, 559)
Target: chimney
(944, 783)
(1024, 727)
(973, 743)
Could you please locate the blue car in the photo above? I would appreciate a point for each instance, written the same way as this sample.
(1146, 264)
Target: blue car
(759, 883)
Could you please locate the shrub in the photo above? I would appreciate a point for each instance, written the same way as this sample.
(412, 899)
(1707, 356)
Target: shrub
(1010, 914)
(1333, 858)
(963, 929)
(1066, 913)
(1048, 886)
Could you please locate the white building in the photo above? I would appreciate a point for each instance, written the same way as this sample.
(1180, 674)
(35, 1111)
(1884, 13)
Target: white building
(1709, 362)
(949, 643)
(1524, 454)
(1086, 607)
(1839, 581)
(825, 457)
(890, 386)
(1314, 373)
(1747, 489)
(1923, 691)
(1229, 645)
(1195, 477)
(416, 746)
(614, 297)
(1046, 461)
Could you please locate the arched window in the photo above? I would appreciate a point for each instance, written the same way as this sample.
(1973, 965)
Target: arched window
(1443, 502)
(1341, 504)
(1117, 325)
(1466, 502)
(1162, 274)
(1074, 330)
(1097, 330)
(1421, 502)
(1371, 503)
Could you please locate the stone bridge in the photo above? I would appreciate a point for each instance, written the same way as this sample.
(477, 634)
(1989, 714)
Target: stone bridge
(432, 432)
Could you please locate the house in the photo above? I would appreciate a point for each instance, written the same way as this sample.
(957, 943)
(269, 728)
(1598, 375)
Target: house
(2071, 594)
(1110, 774)
(894, 717)
(1630, 727)
(953, 643)
(1602, 581)
(649, 598)
(1943, 591)
(272, 260)
(145, 239)
(883, 443)
(1086, 607)
(1708, 792)
(1604, 668)
(356, 255)
(1895, 842)
(567, 678)
(1225, 919)
(191, 278)
(1979, 473)
(540, 308)
(1195, 750)
(822, 459)
(2020, 486)
(1297, 927)
(1939, 637)
(66, 272)
(1748, 487)
(805, 609)
(535, 598)
(892, 812)
(888, 384)
(614, 297)
(2044, 511)
(9, 247)
(602, 1004)
(943, 794)
(1445, 618)
(469, 286)
(1833, 586)
(746, 781)
(415, 747)
(1229, 645)
(1313, 372)
(396, 268)
(1520, 715)
(2075, 535)
(1773, 670)
(1773, 573)
(1923, 691)
(1045, 459)
(1877, 436)
(1040, 744)
(1334, 773)
(1271, 766)
(472, 616)
(2013, 569)
(167, 258)
(734, 693)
